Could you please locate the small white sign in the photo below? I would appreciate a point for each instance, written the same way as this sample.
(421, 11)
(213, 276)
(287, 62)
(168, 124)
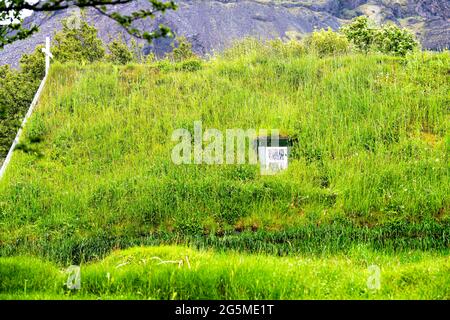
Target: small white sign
(273, 159)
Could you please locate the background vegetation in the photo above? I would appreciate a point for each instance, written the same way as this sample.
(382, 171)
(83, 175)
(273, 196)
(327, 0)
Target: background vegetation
(17, 89)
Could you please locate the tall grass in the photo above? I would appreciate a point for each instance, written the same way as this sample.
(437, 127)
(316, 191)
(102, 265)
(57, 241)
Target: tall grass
(156, 273)
(326, 240)
(372, 154)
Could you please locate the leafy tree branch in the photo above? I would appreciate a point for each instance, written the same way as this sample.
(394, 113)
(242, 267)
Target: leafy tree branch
(12, 28)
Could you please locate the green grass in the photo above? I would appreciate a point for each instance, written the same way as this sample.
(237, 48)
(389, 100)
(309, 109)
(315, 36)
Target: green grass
(371, 168)
(139, 274)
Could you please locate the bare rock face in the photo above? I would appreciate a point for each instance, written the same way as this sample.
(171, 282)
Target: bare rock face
(213, 25)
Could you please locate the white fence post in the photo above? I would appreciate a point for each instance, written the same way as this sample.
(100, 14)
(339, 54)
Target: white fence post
(48, 55)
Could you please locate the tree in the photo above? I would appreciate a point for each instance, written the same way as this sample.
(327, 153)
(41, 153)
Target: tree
(11, 13)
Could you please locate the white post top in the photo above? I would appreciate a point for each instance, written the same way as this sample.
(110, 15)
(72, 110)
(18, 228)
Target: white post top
(48, 54)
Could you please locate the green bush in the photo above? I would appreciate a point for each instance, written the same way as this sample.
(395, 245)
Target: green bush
(393, 40)
(360, 32)
(182, 50)
(327, 42)
(245, 47)
(79, 43)
(17, 89)
(137, 49)
(149, 58)
(33, 65)
(263, 49)
(119, 52)
(16, 92)
(191, 65)
(388, 39)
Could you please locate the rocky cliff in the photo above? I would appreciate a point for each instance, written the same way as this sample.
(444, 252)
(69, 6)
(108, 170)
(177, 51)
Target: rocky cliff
(213, 25)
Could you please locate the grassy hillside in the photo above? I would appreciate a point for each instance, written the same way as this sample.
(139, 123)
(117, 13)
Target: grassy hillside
(370, 169)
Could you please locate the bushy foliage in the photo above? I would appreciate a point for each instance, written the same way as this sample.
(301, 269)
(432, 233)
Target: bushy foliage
(182, 50)
(33, 65)
(191, 65)
(77, 43)
(361, 32)
(246, 46)
(327, 42)
(389, 39)
(287, 49)
(149, 58)
(393, 40)
(16, 92)
(120, 53)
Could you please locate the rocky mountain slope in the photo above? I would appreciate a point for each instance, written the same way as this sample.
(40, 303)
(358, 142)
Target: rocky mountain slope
(213, 25)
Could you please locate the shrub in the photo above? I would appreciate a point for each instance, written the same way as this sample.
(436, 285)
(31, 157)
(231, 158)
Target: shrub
(137, 49)
(79, 43)
(191, 65)
(393, 40)
(182, 50)
(389, 39)
(164, 65)
(327, 42)
(244, 47)
(361, 32)
(33, 65)
(149, 58)
(119, 52)
(16, 92)
(263, 49)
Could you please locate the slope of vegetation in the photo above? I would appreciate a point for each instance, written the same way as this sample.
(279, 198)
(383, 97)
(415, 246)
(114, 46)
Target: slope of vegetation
(368, 176)
(370, 165)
